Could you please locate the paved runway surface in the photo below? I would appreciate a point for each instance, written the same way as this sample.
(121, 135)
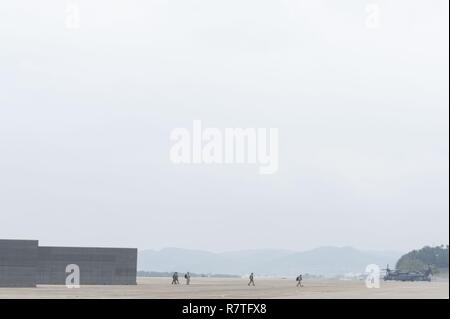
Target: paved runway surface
(237, 288)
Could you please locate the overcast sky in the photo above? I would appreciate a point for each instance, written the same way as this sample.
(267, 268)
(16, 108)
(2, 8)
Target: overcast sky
(358, 90)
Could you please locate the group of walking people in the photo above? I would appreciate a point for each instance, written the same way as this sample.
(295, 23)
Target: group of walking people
(175, 280)
(251, 278)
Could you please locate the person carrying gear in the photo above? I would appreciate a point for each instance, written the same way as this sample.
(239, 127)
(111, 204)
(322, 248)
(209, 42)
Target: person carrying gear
(187, 276)
(252, 281)
(299, 280)
(175, 278)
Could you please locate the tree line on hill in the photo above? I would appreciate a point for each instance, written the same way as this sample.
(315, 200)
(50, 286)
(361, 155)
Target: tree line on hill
(421, 259)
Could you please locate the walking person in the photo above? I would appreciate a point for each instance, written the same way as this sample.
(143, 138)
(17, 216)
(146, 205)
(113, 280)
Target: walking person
(175, 278)
(187, 276)
(252, 279)
(299, 280)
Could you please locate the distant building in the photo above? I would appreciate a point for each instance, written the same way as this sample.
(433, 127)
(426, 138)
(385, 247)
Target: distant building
(23, 263)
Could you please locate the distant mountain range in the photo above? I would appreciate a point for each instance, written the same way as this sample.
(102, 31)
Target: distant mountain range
(326, 261)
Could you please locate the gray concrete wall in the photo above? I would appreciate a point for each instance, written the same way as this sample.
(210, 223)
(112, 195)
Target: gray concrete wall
(98, 266)
(18, 263)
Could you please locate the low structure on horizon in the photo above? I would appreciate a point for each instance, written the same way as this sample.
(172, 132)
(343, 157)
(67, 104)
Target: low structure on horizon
(23, 263)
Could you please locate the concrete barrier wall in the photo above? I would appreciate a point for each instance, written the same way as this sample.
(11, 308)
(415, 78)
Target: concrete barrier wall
(18, 263)
(24, 264)
(98, 266)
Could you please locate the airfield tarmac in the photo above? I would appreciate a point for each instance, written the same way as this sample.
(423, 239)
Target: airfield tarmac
(237, 288)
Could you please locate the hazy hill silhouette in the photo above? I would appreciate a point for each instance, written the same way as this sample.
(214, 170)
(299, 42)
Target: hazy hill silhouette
(328, 261)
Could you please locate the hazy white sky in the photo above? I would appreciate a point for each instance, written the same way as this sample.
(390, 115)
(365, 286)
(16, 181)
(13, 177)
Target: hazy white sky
(363, 116)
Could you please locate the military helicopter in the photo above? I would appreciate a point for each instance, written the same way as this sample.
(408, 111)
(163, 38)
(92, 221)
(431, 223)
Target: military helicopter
(407, 275)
